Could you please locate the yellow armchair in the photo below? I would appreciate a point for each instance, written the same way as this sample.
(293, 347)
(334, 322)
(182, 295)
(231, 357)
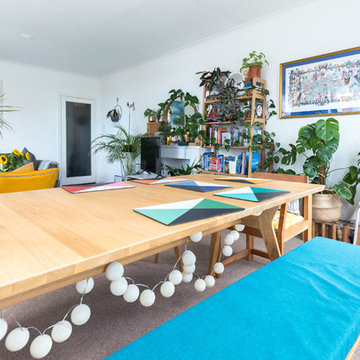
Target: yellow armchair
(31, 180)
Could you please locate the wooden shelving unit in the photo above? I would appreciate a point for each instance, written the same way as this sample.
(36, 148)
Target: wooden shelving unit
(252, 96)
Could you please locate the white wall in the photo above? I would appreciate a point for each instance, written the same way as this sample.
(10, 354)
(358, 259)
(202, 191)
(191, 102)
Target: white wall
(299, 32)
(37, 92)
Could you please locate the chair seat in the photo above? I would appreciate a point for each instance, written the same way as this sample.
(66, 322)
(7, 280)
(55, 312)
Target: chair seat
(291, 219)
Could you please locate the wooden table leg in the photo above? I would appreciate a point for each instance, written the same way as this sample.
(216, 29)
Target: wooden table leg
(308, 216)
(215, 249)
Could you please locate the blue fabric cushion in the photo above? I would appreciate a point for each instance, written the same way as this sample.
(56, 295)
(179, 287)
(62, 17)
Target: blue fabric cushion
(305, 305)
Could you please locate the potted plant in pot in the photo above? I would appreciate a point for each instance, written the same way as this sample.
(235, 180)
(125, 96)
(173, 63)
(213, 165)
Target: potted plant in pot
(122, 147)
(318, 142)
(254, 63)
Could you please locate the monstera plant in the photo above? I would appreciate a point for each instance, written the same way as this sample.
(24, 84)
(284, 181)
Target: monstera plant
(317, 144)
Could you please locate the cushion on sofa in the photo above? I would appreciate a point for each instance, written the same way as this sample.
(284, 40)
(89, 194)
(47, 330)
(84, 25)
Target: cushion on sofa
(32, 158)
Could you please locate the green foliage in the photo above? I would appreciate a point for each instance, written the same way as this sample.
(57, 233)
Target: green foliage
(194, 168)
(189, 124)
(211, 78)
(4, 124)
(255, 58)
(122, 147)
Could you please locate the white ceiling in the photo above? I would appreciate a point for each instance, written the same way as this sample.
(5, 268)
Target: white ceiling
(98, 37)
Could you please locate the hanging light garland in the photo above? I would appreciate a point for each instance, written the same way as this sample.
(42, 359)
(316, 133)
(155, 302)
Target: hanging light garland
(119, 286)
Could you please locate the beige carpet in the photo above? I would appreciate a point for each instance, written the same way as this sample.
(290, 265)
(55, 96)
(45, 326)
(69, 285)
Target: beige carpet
(115, 323)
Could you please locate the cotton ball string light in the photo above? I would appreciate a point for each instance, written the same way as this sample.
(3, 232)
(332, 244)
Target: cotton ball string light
(3, 328)
(114, 271)
(189, 269)
(235, 234)
(119, 287)
(239, 227)
(41, 346)
(17, 339)
(229, 239)
(147, 298)
(80, 314)
(227, 250)
(167, 289)
(196, 237)
(200, 285)
(85, 286)
(61, 331)
(132, 293)
(188, 257)
(219, 268)
(209, 281)
(175, 277)
(187, 277)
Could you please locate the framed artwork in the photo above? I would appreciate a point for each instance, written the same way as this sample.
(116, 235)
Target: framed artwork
(177, 110)
(327, 84)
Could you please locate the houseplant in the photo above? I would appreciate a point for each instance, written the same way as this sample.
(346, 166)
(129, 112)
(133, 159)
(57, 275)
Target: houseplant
(13, 160)
(4, 125)
(254, 62)
(122, 147)
(317, 143)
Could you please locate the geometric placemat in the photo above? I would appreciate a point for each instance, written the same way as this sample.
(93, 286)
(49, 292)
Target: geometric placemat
(243, 180)
(199, 186)
(159, 181)
(252, 193)
(181, 212)
(84, 188)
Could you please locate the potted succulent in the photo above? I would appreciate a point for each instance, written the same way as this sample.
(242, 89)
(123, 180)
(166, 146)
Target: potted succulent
(318, 142)
(122, 147)
(253, 64)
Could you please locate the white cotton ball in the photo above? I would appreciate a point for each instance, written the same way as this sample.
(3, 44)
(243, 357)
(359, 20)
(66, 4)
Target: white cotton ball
(80, 314)
(85, 286)
(239, 227)
(210, 281)
(17, 339)
(189, 269)
(132, 293)
(61, 331)
(167, 289)
(200, 285)
(227, 250)
(235, 234)
(219, 268)
(3, 328)
(229, 239)
(114, 271)
(175, 277)
(187, 277)
(41, 346)
(188, 257)
(119, 287)
(147, 298)
(196, 237)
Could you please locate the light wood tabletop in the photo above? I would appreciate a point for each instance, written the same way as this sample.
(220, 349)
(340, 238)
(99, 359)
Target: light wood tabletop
(52, 238)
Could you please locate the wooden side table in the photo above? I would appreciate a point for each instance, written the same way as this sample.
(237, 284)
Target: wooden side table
(341, 230)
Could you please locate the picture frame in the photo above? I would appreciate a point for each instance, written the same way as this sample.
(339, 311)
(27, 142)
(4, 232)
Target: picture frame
(327, 84)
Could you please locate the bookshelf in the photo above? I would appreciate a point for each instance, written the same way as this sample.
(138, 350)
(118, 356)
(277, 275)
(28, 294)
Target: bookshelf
(255, 98)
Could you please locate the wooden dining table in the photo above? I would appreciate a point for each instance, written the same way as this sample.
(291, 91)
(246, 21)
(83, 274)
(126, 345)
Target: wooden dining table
(52, 238)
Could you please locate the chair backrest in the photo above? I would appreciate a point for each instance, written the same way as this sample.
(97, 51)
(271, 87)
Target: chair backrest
(32, 180)
(281, 177)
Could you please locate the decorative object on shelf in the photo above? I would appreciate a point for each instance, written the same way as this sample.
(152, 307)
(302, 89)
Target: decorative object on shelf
(198, 186)
(115, 114)
(181, 212)
(322, 140)
(250, 193)
(253, 64)
(4, 124)
(321, 85)
(13, 160)
(152, 115)
(122, 147)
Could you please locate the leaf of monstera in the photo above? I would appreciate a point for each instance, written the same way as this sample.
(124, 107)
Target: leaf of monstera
(312, 166)
(345, 191)
(352, 175)
(325, 151)
(327, 129)
(306, 138)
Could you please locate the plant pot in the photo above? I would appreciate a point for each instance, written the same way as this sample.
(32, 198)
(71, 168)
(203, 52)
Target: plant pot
(254, 71)
(327, 207)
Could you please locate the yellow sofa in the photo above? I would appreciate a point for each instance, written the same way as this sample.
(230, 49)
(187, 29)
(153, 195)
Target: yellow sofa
(31, 180)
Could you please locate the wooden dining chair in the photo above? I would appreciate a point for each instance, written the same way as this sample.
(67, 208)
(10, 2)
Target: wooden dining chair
(286, 224)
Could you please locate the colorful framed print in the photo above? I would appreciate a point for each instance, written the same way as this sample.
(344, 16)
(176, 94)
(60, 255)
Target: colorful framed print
(327, 84)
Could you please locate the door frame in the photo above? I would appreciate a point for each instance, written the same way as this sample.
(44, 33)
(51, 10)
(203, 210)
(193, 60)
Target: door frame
(63, 97)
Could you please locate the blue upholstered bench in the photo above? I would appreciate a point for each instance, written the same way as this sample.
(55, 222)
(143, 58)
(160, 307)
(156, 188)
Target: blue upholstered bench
(305, 305)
